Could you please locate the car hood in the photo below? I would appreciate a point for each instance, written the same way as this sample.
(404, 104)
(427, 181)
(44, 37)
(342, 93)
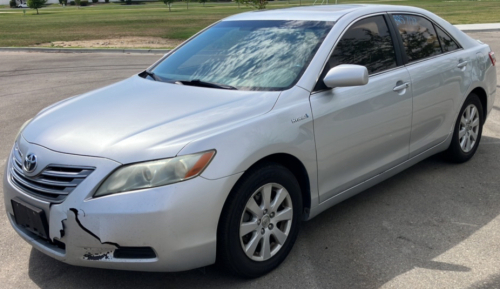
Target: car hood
(139, 119)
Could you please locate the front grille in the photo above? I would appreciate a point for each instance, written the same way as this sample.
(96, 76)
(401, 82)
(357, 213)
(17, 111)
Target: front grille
(53, 184)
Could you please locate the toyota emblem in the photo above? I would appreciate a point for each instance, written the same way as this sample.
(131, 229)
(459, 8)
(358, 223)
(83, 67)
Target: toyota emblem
(30, 162)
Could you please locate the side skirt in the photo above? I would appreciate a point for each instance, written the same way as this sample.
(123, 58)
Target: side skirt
(379, 178)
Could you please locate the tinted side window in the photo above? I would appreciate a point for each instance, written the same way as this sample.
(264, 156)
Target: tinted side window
(446, 42)
(419, 37)
(369, 43)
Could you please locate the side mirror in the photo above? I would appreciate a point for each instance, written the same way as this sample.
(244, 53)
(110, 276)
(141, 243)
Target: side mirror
(346, 75)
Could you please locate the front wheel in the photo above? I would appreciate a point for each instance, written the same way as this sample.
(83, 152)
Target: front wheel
(467, 132)
(260, 221)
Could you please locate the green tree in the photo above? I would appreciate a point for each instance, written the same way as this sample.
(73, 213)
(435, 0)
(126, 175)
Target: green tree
(187, 4)
(169, 4)
(36, 4)
(77, 2)
(202, 1)
(259, 4)
(239, 2)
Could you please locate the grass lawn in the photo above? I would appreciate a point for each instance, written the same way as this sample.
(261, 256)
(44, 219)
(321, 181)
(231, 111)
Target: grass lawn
(114, 20)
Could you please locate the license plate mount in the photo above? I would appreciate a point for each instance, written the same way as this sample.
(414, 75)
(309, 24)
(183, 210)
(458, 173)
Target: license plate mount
(30, 217)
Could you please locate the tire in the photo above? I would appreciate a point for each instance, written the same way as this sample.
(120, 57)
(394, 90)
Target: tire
(262, 226)
(466, 135)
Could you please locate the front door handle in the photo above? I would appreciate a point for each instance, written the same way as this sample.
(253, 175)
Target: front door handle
(462, 64)
(401, 87)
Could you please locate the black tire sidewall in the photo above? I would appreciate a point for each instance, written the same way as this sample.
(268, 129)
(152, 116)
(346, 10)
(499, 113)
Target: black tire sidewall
(234, 257)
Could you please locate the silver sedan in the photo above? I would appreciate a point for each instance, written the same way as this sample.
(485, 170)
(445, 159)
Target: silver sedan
(221, 149)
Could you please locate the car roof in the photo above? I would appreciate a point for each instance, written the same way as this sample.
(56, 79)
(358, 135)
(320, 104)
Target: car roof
(351, 12)
(315, 12)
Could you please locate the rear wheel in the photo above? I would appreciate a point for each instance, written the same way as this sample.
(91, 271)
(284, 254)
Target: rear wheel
(260, 221)
(468, 131)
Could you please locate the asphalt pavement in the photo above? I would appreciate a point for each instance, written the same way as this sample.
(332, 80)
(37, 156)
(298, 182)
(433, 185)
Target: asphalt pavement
(435, 225)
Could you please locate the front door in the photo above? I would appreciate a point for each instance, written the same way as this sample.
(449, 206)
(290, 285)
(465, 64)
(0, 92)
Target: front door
(362, 131)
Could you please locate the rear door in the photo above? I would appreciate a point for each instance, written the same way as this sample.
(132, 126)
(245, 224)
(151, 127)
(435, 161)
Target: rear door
(364, 130)
(440, 74)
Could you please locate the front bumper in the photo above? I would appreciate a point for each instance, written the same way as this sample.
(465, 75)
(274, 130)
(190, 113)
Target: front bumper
(178, 221)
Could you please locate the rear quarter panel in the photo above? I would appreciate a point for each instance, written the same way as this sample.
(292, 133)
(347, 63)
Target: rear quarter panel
(484, 74)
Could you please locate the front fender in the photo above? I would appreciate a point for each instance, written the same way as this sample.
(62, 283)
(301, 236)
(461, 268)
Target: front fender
(242, 145)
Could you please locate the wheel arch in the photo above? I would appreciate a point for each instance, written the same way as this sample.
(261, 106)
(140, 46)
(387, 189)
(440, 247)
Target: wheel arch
(295, 166)
(483, 97)
(298, 170)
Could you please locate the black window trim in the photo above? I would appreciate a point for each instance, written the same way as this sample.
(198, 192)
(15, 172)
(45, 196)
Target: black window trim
(447, 34)
(398, 47)
(434, 24)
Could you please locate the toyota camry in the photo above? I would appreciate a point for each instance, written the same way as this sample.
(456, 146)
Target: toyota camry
(219, 150)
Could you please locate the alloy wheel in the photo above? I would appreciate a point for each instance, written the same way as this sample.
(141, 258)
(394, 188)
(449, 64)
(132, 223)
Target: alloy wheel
(469, 128)
(266, 221)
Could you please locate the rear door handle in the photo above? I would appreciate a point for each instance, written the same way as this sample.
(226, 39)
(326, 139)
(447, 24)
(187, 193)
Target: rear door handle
(462, 64)
(401, 87)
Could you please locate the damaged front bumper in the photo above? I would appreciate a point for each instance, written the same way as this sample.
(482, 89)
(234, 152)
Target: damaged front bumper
(169, 228)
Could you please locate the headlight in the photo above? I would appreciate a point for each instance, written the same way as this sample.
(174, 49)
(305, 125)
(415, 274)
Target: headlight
(22, 128)
(155, 173)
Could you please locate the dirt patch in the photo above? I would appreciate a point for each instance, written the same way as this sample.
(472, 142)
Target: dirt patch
(124, 42)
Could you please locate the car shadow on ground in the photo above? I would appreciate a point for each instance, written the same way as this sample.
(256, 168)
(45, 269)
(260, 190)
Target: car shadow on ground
(364, 242)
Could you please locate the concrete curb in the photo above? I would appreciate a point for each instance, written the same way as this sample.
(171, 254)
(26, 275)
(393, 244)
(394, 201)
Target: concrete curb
(480, 27)
(83, 50)
(480, 30)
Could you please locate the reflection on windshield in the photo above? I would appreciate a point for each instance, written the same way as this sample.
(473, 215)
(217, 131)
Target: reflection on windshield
(249, 55)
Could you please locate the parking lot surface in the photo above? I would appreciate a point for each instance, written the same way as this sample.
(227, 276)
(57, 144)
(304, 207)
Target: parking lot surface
(435, 225)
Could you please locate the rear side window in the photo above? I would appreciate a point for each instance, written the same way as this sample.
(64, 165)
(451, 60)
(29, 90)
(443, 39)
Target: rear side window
(419, 37)
(368, 43)
(446, 42)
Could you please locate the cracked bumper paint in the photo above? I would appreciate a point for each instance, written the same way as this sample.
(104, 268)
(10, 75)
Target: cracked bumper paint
(178, 221)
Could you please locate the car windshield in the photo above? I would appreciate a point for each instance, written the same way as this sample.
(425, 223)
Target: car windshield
(246, 55)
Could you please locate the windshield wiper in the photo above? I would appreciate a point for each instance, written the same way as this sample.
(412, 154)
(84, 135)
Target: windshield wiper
(197, 82)
(146, 73)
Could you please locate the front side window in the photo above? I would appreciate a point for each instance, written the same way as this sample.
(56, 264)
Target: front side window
(419, 37)
(368, 43)
(247, 55)
(446, 42)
